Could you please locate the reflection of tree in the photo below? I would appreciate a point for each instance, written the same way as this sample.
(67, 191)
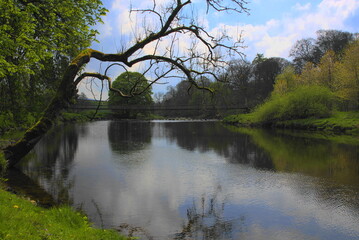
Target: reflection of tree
(236, 147)
(127, 136)
(311, 156)
(21, 183)
(54, 155)
(207, 221)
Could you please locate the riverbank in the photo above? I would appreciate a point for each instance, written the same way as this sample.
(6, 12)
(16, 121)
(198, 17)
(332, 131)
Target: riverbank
(20, 218)
(338, 122)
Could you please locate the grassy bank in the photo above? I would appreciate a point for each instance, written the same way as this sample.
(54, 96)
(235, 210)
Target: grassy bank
(22, 219)
(339, 122)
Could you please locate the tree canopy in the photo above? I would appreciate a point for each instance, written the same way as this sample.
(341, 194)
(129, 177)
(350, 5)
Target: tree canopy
(38, 40)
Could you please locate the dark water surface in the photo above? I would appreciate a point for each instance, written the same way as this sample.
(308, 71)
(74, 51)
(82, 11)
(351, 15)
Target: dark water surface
(199, 180)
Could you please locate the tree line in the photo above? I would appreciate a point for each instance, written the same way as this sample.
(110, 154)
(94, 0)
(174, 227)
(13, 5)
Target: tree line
(329, 61)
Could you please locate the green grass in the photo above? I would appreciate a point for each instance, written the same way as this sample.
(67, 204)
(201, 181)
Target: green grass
(341, 122)
(22, 219)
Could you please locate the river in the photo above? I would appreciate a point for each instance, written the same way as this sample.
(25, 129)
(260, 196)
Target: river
(201, 180)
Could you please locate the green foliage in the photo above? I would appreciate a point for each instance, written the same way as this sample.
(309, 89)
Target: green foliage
(304, 102)
(308, 155)
(37, 40)
(130, 84)
(346, 82)
(21, 219)
(6, 121)
(286, 81)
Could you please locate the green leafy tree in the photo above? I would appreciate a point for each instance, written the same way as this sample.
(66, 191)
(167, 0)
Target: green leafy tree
(128, 83)
(346, 83)
(312, 50)
(286, 81)
(38, 39)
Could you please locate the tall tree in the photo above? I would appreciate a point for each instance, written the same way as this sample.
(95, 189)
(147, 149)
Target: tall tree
(264, 74)
(312, 50)
(346, 83)
(171, 24)
(38, 40)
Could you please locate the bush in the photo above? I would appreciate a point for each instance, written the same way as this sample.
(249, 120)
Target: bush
(6, 121)
(304, 102)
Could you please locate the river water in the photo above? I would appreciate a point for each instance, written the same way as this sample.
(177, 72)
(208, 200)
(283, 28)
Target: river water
(201, 180)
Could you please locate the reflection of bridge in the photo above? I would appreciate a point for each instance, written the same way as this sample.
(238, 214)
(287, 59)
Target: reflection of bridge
(156, 107)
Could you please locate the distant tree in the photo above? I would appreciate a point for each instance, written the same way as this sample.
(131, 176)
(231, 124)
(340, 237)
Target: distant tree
(286, 81)
(264, 75)
(259, 58)
(333, 40)
(346, 83)
(130, 82)
(82, 96)
(312, 50)
(238, 77)
(303, 52)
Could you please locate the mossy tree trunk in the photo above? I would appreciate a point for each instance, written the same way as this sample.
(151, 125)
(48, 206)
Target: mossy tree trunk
(64, 95)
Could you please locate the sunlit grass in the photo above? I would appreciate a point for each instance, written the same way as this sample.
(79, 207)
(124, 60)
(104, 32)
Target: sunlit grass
(347, 122)
(22, 219)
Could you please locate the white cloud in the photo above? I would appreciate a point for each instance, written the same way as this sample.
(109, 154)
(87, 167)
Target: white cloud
(300, 7)
(276, 36)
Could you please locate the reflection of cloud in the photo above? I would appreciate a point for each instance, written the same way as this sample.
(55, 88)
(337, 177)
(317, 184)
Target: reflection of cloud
(151, 188)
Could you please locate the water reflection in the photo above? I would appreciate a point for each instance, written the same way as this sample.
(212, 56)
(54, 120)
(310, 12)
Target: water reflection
(310, 156)
(206, 220)
(199, 180)
(54, 156)
(127, 136)
(235, 147)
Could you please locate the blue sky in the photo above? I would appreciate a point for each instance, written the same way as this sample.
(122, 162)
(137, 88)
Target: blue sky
(271, 28)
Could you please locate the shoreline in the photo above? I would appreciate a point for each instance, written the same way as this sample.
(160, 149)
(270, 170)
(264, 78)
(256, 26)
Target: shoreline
(338, 123)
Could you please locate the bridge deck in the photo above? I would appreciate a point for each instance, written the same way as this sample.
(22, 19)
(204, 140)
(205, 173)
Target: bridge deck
(156, 107)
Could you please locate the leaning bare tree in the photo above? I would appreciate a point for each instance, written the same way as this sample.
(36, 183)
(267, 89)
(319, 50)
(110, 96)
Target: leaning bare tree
(205, 55)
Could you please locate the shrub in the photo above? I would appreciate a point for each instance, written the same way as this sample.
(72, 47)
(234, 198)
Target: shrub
(304, 102)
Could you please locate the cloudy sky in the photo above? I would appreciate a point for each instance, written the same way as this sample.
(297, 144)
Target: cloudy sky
(271, 27)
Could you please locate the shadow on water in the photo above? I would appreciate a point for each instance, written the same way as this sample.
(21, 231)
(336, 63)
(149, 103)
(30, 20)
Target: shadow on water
(20, 183)
(271, 150)
(128, 136)
(54, 156)
(212, 136)
(310, 156)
